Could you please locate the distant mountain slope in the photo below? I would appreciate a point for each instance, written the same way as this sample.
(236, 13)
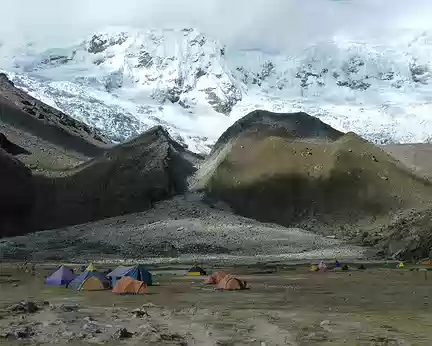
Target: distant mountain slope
(18, 109)
(51, 139)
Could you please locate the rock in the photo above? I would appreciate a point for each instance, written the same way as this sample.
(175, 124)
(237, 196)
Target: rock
(30, 307)
(171, 337)
(68, 335)
(92, 327)
(15, 308)
(24, 307)
(66, 307)
(23, 332)
(81, 336)
(324, 323)
(122, 333)
(148, 305)
(139, 313)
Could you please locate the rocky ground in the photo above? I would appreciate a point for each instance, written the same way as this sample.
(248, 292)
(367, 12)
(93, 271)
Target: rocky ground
(285, 305)
(181, 227)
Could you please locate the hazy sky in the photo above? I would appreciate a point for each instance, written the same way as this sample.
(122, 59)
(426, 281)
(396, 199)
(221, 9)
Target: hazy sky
(253, 23)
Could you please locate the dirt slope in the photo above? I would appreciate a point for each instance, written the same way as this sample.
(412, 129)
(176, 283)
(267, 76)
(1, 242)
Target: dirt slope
(128, 178)
(416, 156)
(337, 184)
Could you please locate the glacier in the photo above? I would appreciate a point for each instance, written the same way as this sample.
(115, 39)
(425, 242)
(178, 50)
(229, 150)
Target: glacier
(124, 81)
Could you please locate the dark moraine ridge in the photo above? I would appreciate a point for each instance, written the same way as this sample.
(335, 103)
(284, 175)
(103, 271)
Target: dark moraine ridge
(128, 178)
(265, 123)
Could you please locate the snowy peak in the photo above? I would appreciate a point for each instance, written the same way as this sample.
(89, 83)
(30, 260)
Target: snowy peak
(182, 66)
(125, 81)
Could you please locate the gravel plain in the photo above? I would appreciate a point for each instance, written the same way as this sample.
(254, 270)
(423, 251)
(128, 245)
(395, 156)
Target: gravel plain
(182, 228)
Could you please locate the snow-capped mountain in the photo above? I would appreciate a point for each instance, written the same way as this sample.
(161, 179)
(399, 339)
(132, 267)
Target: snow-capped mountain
(126, 81)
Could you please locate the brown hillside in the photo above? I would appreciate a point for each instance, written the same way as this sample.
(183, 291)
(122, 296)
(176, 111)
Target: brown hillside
(345, 186)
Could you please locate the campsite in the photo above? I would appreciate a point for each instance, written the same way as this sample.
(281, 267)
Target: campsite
(284, 304)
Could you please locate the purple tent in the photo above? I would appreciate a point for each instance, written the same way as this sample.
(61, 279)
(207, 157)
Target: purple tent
(61, 277)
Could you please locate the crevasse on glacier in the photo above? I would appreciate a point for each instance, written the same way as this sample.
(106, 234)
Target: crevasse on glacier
(124, 82)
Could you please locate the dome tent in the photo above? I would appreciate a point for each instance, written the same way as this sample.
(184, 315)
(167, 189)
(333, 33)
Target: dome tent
(61, 277)
(196, 271)
(128, 285)
(215, 278)
(232, 283)
(90, 281)
(136, 272)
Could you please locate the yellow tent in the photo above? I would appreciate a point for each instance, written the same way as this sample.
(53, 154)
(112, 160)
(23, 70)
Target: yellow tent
(401, 265)
(92, 284)
(91, 268)
(313, 268)
(196, 271)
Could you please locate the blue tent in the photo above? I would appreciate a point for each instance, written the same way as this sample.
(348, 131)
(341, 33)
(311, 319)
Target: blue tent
(137, 272)
(61, 277)
(90, 281)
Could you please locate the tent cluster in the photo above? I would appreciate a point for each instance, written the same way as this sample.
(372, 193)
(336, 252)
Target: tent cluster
(220, 279)
(122, 280)
(131, 280)
(323, 267)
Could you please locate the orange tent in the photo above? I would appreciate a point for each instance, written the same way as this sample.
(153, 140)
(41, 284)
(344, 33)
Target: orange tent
(231, 283)
(215, 278)
(128, 285)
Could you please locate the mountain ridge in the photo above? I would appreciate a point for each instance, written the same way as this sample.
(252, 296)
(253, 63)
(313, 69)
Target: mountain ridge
(126, 81)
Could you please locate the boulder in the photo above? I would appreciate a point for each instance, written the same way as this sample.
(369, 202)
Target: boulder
(122, 333)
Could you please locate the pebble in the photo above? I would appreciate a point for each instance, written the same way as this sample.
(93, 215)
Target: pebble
(325, 323)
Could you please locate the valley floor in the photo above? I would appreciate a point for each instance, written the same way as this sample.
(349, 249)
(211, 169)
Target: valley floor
(286, 305)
